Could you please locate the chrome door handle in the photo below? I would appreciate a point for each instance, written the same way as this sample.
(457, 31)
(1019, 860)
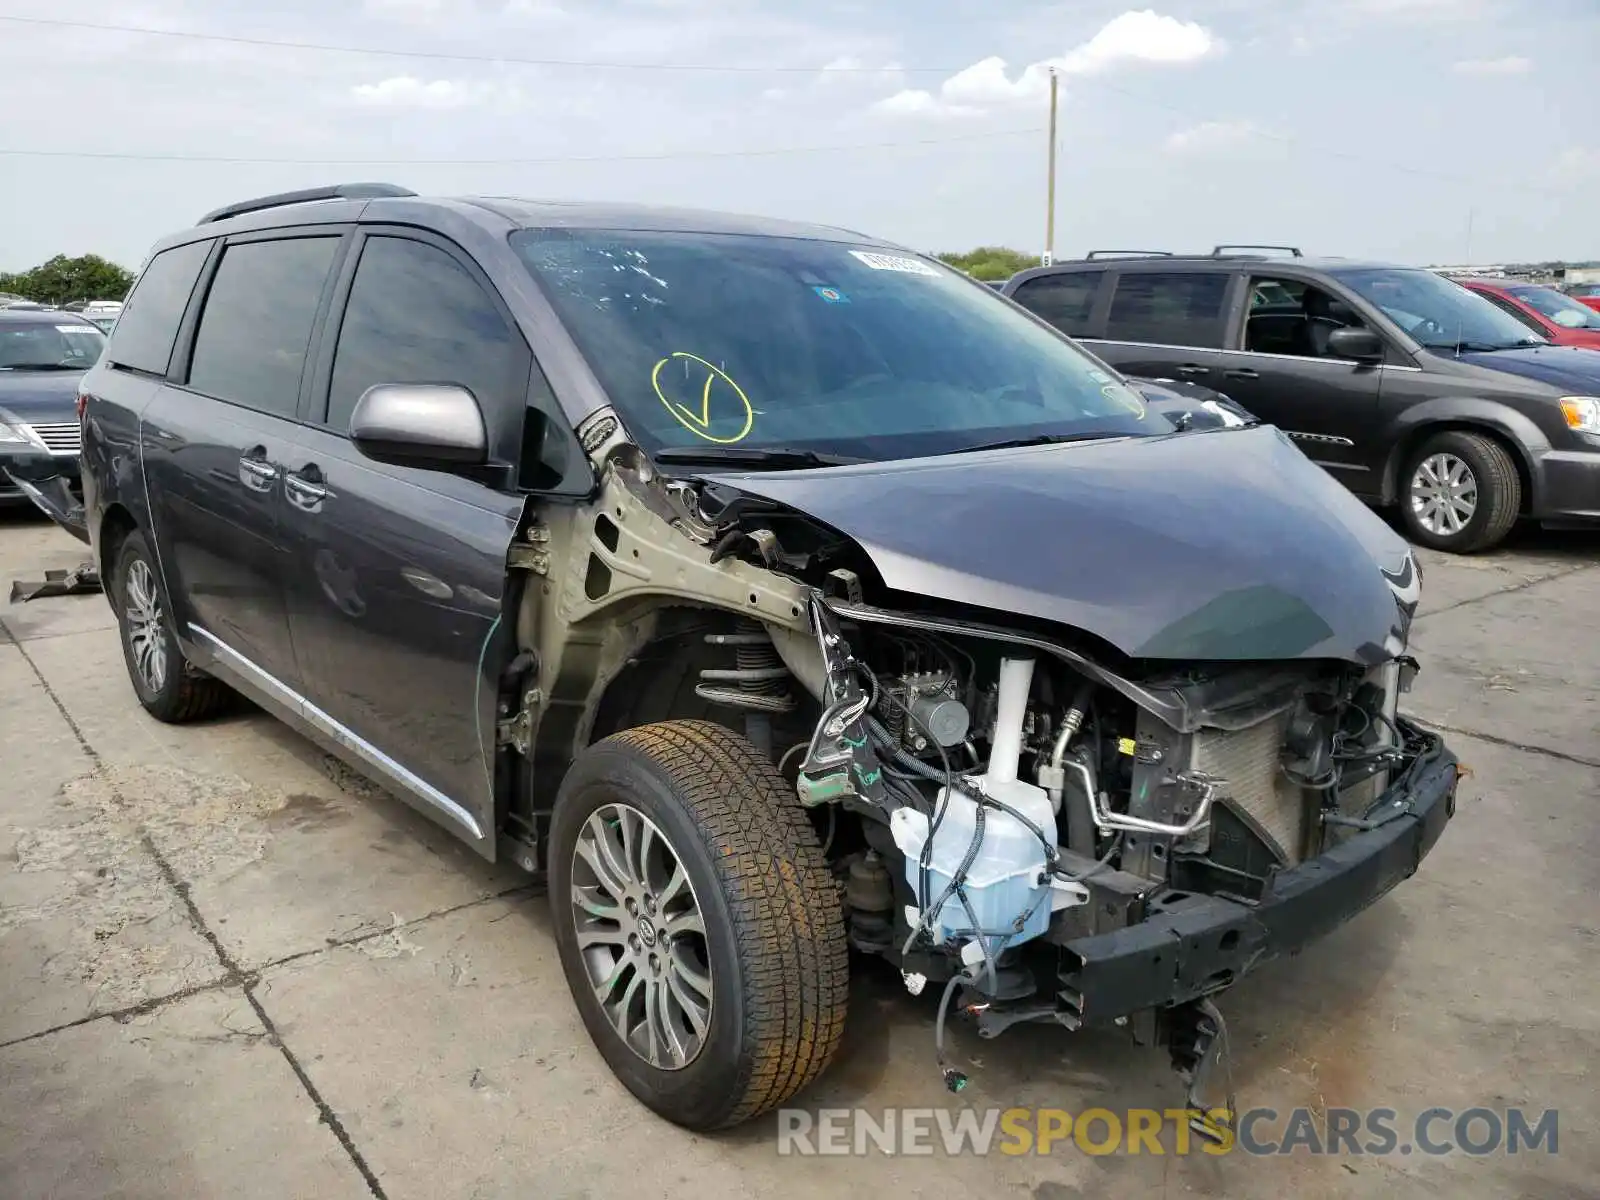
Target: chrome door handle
(1193, 369)
(1242, 373)
(304, 495)
(256, 474)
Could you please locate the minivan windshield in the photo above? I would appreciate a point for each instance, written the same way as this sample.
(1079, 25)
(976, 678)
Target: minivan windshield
(728, 344)
(1438, 312)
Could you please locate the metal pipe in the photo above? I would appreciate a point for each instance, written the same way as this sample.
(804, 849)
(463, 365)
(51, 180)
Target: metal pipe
(1107, 820)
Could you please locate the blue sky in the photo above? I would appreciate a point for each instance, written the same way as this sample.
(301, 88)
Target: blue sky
(1414, 130)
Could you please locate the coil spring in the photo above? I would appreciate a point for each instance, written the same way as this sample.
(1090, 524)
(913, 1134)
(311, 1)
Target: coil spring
(759, 678)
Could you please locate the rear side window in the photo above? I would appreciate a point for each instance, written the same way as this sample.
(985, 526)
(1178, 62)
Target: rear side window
(1170, 307)
(148, 325)
(250, 347)
(416, 316)
(1065, 300)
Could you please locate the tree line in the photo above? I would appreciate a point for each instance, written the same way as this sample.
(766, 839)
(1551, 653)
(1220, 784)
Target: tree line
(62, 280)
(990, 262)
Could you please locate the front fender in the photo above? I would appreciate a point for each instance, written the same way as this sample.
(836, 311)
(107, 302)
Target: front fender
(1524, 437)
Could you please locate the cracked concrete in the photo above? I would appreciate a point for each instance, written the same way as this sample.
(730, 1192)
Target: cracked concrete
(230, 968)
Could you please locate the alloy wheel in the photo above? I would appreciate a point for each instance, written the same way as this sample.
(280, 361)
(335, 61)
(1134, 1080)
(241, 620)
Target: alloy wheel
(642, 936)
(1444, 494)
(146, 624)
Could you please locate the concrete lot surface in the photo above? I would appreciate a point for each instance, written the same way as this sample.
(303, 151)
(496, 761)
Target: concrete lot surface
(230, 969)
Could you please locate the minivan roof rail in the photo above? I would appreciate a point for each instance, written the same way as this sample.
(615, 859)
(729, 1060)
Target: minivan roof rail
(1227, 251)
(1094, 254)
(337, 191)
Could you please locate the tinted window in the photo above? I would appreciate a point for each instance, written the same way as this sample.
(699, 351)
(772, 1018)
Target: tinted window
(148, 324)
(416, 316)
(1178, 309)
(251, 344)
(1064, 300)
(1286, 316)
(709, 340)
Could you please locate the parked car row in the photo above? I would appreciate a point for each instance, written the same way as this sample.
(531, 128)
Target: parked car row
(1410, 388)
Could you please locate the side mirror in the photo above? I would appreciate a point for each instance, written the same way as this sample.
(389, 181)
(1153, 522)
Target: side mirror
(1360, 344)
(420, 424)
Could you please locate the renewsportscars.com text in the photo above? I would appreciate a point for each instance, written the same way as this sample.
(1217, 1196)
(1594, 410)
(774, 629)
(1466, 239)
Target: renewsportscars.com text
(1375, 1132)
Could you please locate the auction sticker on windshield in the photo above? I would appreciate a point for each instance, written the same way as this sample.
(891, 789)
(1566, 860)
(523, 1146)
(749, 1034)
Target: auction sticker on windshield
(894, 262)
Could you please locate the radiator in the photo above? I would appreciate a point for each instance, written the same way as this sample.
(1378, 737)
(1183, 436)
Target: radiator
(1257, 790)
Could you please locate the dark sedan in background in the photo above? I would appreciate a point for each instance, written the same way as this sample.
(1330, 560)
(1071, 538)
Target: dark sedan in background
(43, 355)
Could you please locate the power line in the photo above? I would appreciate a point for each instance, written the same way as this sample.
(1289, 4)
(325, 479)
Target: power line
(461, 56)
(770, 152)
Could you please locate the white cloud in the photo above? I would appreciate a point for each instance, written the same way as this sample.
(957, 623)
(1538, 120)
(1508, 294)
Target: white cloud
(1213, 137)
(1513, 64)
(407, 91)
(1139, 36)
(1142, 36)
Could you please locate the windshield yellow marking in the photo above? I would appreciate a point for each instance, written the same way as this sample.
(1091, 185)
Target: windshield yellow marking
(699, 423)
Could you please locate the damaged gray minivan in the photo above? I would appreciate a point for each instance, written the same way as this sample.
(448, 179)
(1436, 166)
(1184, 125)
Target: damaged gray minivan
(771, 592)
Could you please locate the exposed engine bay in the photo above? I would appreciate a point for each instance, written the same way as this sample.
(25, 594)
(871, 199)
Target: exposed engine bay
(987, 804)
(1044, 824)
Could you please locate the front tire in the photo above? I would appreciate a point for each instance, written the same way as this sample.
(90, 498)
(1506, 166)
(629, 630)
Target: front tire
(1460, 493)
(698, 925)
(168, 687)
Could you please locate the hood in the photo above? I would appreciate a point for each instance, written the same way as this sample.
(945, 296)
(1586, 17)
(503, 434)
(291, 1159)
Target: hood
(1196, 406)
(1227, 544)
(40, 395)
(1573, 369)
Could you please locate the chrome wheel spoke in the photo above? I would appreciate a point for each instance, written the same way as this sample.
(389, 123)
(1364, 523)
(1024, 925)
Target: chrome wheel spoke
(642, 944)
(1444, 494)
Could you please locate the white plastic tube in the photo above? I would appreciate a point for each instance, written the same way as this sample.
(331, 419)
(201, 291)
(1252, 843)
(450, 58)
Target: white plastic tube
(1016, 678)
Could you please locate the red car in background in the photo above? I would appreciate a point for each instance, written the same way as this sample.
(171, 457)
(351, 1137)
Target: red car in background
(1544, 310)
(1585, 293)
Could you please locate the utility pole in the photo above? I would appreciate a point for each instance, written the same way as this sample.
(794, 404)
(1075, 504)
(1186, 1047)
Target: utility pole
(1050, 203)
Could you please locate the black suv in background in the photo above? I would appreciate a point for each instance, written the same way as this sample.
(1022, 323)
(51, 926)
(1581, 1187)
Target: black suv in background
(699, 563)
(1409, 388)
